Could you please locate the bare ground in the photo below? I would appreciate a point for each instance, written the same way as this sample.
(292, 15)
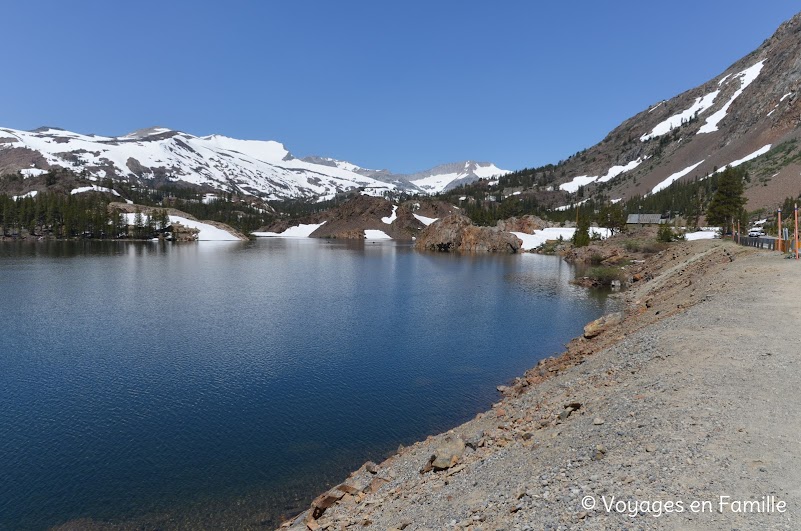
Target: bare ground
(689, 400)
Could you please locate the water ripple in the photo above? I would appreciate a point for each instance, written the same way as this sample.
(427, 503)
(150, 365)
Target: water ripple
(166, 382)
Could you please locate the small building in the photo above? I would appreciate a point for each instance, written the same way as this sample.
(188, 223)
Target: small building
(645, 219)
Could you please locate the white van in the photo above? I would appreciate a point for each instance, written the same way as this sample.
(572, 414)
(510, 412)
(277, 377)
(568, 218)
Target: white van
(756, 232)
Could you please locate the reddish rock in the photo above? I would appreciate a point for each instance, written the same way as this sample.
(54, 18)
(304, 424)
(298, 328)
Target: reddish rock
(456, 233)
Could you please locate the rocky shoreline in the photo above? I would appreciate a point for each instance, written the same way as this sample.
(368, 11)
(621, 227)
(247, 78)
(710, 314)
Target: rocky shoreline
(677, 403)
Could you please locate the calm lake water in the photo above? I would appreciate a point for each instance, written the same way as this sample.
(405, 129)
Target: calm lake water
(226, 384)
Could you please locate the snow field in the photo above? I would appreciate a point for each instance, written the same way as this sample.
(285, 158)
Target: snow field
(532, 241)
(298, 231)
(371, 234)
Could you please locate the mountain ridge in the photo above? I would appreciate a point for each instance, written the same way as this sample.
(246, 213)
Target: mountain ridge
(738, 116)
(261, 168)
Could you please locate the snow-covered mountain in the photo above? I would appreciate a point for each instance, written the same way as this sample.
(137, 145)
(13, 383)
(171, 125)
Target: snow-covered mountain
(260, 168)
(435, 180)
(448, 176)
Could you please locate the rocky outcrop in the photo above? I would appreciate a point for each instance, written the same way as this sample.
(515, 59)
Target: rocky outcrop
(527, 224)
(456, 233)
(349, 220)
(430, 208)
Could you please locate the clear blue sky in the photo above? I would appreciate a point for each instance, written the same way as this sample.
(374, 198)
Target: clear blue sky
(402, 85)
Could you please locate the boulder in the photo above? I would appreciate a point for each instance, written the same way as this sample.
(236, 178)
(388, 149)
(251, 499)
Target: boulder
(456, 233)
(448, 453)
(324, 501)
(602, 324)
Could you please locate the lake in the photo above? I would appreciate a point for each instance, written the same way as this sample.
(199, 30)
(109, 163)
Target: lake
(183, 386)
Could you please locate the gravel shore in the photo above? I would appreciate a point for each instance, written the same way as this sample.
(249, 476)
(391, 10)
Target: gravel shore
(680, 417)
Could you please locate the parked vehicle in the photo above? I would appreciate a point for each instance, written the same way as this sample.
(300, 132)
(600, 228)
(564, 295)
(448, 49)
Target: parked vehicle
(756, 232)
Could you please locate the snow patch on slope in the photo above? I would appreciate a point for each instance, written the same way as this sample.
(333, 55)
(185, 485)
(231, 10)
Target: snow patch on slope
(614, 171)
(32, 193)
(392, 217)
(583, 180)
(664, 127)
(577, 182)
(746, 77)
(32, 172)
(573, 205)
(94, 188)
(755, 154)
(675, 177)
(425, 220)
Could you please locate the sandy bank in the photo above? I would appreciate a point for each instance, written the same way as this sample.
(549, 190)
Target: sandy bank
(683, 404)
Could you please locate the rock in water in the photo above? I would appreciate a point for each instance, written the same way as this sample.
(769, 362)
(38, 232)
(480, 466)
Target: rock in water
(456, 233)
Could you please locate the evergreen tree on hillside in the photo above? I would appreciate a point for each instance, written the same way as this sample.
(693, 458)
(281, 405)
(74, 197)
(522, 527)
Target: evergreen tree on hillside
(726, 205)
(139, 224)
(694, 208)
(581, 238)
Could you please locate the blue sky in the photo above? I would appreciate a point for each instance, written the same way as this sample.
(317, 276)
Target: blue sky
(398, 85)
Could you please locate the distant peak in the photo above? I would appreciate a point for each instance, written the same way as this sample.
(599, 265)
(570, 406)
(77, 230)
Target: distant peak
(46, 128)
(148, 131)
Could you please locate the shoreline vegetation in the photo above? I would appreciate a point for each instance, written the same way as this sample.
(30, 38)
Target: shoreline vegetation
(663, 402)
(118, 221)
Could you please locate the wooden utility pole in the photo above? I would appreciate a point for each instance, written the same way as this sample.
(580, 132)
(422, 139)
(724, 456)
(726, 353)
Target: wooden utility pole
(780, 230)
(796, 231)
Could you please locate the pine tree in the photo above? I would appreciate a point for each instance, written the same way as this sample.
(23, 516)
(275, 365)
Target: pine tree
(139, 224)
(163, 219)
(694, 208)
(726, 205)
(150, 225)
(581, 238)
